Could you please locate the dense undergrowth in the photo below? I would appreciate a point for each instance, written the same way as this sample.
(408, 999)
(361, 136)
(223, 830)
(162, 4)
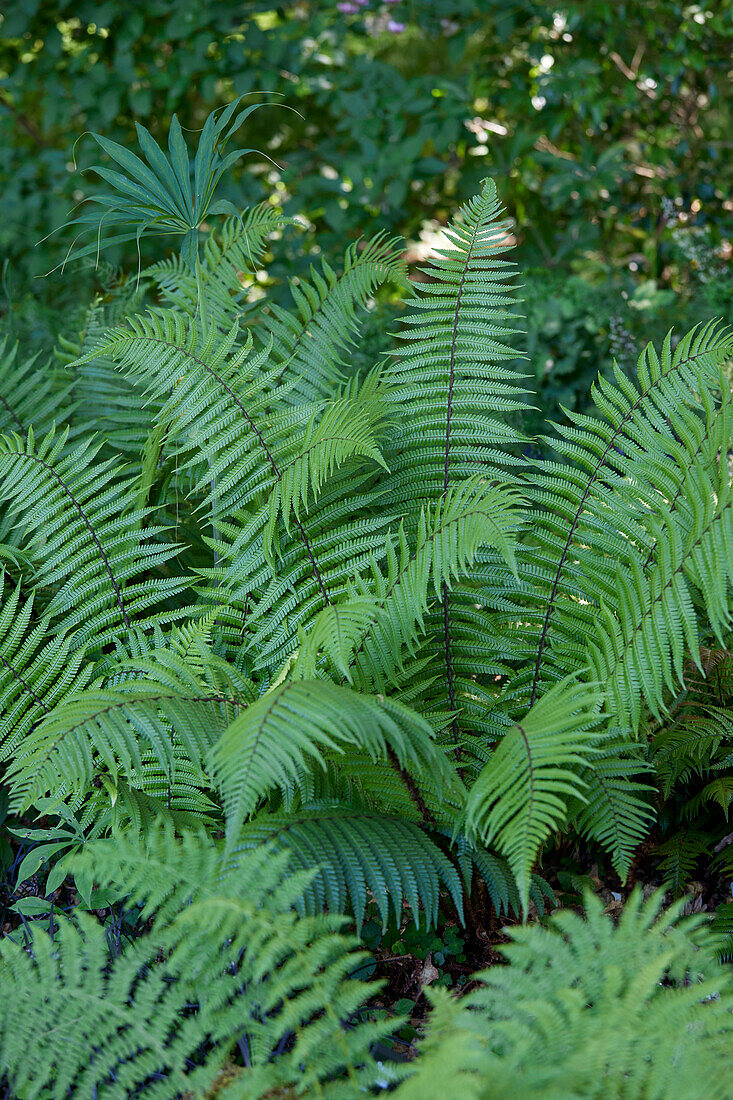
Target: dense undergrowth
(291, 630)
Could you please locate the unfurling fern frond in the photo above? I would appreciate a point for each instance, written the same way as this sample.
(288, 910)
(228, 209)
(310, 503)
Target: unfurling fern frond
(522, 794)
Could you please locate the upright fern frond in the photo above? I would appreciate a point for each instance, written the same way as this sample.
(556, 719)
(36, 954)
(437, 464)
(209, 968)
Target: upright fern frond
(308, 343)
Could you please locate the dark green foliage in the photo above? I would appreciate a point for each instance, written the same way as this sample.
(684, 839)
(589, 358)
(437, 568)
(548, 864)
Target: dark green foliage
(327, 640)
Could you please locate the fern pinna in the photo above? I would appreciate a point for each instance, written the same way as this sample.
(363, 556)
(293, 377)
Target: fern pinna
(335, 621)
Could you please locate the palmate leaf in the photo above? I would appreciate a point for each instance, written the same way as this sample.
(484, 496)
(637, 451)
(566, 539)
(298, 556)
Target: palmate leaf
(86, 545)
(161, 195)
(297, 724)
(522, 794)
(358, 855)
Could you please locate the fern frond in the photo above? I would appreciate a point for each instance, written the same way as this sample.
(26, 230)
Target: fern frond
(616, 811)
(619, 477)
(255, 972)
(111, 731)
(84, 542)
(358, 856)
(308, 343)
(639, 650)
(227, 255)
(36, 672)
(30, 394)
(216, 401)
(296, 724)
(448, 370)
(521, 795)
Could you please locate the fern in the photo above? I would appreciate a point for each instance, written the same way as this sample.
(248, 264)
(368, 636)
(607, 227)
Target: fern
(582, 1011)
(341, 625)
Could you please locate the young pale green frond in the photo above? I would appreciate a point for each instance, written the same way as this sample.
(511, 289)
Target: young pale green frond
(36, 672)
(308, 343)
(81, 1026)
(358, 855)
(86, 546)
(335, 633)
(522, 794)
(254, 971)
(297, 724)
(588, 1009)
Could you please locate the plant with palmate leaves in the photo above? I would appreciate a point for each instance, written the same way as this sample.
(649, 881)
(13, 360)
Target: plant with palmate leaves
(338, 616)
(229, 994)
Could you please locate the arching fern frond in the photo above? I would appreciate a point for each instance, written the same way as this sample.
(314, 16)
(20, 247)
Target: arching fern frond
(36, 672)
(522, 794)
(359, 855)
(31, 394)
(295, 725)
(619, 474)
(84, 542)
(114, 731)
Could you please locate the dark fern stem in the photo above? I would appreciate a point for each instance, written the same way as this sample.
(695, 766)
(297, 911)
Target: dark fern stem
(451, 385)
